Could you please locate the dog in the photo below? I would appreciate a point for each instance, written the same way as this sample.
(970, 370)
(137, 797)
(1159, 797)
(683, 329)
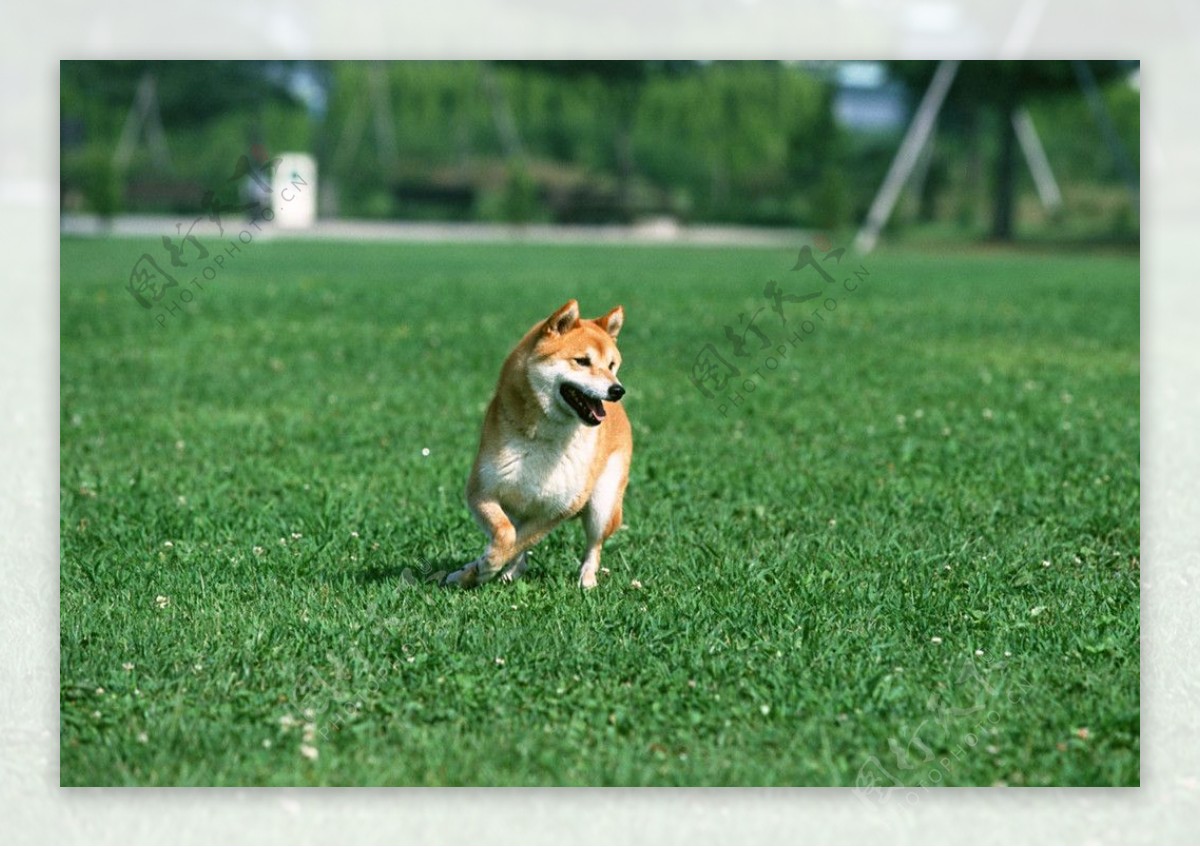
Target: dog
(556, 444)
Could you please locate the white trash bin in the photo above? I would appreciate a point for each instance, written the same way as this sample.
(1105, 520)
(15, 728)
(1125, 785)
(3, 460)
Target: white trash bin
(294, 191)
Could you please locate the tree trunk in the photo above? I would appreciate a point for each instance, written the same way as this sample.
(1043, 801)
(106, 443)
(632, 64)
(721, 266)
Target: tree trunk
(1006, 175)
(973, 177)
(627, 102)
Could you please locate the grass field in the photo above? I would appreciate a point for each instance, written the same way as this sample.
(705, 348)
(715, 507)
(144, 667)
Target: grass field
(909, 555)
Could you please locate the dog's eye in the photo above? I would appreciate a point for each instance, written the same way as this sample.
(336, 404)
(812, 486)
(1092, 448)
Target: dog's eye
(585, 361)
(612, 366)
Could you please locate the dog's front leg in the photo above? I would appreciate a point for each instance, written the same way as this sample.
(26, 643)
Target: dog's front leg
(602, 515)
(506, 543)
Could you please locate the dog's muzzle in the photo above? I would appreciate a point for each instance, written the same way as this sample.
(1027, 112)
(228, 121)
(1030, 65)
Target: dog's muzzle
(589, 409)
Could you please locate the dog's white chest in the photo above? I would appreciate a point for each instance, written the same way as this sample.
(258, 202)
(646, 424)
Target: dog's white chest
(534, 478)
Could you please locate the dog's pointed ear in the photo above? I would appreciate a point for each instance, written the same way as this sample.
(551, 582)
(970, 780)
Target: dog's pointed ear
(613, 321)
(563, 319)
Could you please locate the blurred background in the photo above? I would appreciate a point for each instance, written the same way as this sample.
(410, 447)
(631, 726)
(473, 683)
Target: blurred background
(1030, 151)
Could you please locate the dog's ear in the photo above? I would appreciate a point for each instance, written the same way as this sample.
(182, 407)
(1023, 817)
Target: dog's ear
(613, 321)
(563, 319)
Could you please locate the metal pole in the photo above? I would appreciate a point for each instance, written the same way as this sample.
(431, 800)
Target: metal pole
(1095, 101)
(143, 117)
(1035, 157)
(906, 157)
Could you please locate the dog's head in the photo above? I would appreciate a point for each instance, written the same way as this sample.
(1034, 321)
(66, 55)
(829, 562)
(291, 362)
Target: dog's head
(574, 362)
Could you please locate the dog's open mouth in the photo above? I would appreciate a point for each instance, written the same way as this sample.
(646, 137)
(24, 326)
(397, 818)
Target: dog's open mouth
(589, 409)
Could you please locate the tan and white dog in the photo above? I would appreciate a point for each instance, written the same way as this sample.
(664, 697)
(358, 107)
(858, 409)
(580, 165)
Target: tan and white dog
(555, 444)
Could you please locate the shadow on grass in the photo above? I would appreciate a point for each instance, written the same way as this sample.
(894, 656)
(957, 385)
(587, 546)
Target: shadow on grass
(431, 572)
(422, 571)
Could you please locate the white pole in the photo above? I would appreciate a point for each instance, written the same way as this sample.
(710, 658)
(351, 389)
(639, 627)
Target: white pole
(1035, 157)
(906, 157)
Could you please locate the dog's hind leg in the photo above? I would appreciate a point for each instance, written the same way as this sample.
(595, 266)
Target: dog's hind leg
(514, 571)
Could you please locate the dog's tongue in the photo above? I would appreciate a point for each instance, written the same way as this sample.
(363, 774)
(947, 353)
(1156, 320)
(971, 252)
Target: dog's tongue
(596, 407)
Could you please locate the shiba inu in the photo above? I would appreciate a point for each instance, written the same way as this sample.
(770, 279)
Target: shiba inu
(556, 444)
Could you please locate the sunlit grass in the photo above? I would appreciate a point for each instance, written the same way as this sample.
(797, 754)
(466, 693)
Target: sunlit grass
(909, 554)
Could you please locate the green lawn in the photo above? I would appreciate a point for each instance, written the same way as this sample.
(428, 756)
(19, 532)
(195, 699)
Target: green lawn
(908, 556)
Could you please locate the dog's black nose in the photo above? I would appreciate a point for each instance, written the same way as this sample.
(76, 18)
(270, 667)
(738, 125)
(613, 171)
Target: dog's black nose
(616, 392)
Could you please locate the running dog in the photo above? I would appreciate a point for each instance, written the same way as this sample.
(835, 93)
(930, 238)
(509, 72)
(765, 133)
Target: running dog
(556, 444)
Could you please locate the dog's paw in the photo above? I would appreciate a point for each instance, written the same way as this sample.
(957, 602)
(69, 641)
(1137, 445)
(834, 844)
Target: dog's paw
(467, 577)
(588, 580)
(514, 571)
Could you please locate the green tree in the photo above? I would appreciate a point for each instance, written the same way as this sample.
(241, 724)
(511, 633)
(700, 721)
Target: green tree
(625, 82)
(999, 88)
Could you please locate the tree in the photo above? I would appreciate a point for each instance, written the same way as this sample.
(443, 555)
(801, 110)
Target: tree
(189, 93)
(624, 81)
(999, 88)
